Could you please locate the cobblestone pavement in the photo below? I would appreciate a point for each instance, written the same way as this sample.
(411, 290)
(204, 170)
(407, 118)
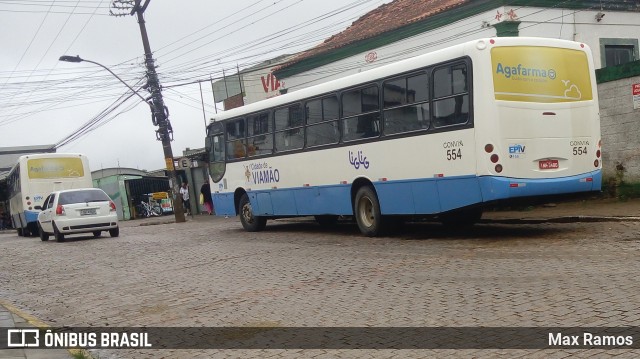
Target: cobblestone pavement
(209, 272)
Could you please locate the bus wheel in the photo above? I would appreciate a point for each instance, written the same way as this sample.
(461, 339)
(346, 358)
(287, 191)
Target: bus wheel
(33, 229)
(367, 212)
(44, 236)
(326, 220)
(250, 222)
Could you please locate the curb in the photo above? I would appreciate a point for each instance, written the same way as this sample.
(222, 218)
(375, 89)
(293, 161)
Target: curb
(41, 325)
(569, 219)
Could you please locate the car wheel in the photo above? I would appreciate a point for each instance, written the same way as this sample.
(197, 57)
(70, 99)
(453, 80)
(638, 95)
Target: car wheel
(43, 235)
(114, 232)
(367, 212)
(96, 234)
(57, 235)
(250, 222)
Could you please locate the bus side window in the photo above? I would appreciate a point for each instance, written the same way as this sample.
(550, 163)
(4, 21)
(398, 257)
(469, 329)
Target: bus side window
(289, 126)
(451, 96)
(236, 147)
(360, 114)
(406, 104)
(260, 140)
(322, 121)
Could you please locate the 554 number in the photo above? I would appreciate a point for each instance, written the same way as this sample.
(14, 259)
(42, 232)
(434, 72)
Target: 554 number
(578, 151)
(454, 154)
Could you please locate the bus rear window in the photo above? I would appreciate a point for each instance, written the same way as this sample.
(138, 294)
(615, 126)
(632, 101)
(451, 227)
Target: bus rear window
(47, 168)
(540, 74)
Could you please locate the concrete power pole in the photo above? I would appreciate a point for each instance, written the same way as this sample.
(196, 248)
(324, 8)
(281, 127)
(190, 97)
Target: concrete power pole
(159, 112)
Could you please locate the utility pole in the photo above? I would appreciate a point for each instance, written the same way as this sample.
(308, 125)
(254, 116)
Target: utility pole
(160, 113)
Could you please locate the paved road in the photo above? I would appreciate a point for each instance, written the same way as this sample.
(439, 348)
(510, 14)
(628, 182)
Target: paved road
(208, 272)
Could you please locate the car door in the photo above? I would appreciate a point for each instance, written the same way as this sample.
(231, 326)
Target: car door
(45, 216)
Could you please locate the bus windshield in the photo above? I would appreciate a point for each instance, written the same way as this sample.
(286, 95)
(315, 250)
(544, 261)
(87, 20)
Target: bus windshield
(540, 74)
(61, 167)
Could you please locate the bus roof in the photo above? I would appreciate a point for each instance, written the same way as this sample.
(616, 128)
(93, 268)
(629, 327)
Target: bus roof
(395, 68)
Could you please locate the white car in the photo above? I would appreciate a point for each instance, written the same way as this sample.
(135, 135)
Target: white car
(84, 210)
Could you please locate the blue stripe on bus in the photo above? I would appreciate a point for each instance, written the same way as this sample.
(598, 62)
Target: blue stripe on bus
(494, 188)
(31, 216)
(420, 196)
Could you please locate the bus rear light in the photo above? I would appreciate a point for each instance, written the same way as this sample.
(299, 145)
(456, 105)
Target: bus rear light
(305, 185)
(495, 158)
(498, 168)
(343, 182)
(599, 143)
(383, 179)
(274, 187)
(28, 203)
(596, 163)
(60, 210)
(27, 198)
(112, 206)
(488, 148)
(517, 185)
(492, 41)
(598, 153)
(438, 175)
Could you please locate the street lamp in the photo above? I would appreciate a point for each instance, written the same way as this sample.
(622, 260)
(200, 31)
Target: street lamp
(67, 58)
(177, 203)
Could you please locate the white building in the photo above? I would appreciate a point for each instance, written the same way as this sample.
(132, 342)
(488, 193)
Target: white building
(405, 28)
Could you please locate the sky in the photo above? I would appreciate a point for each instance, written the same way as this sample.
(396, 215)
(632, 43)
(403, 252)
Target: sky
(82, 108)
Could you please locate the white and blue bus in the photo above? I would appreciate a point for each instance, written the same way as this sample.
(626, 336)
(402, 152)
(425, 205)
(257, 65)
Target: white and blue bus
(35, 176)
(440, 134)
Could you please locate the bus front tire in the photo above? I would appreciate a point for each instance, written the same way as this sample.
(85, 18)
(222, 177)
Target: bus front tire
(367, 212)
(250, 223)
(44, 236)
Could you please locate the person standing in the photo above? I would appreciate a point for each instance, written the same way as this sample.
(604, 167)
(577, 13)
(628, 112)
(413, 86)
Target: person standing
(207, 202)
(184, 192)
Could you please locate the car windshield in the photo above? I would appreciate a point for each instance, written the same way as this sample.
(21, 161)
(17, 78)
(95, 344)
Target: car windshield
(91, 195)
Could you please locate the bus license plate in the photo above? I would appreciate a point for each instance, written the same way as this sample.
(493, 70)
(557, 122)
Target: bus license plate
(549, 164)
(87, 212)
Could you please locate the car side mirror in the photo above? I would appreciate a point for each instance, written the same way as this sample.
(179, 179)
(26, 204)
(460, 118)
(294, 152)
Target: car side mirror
(38, 207)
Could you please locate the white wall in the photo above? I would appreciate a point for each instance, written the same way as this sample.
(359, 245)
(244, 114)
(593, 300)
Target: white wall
(568, 24)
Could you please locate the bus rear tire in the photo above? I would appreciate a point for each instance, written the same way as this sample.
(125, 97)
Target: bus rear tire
(250, 223)
(367, 212)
